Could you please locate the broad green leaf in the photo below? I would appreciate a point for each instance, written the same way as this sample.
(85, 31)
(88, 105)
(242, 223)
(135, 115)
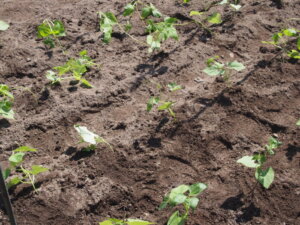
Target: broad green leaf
(193, 202)
(155, 11)
(276, 37)
(165, 105)
(223, 2)
(174, 87)
(152, 101)
(16, 159)
(176, 219)
(4, 91)
(298, 43)
(14, 181)
(176, 199)
(265, 177)
(298, 123)
(36, 169)
(290, 32)
(214, 70)
(236, 66)
(6, 109)
(129, 9)
(137, 222)
(146, 12)
(6, 173)
(25, 149)
(86, 135)
(196, 189)
(107, 21)
(106, 222)
(195, 13)
(294, 54)
(3, 25)
(248, 161)
(236, 7)
(51, 75)
(215, 18)
(150, 10)
(181, 189)
(164, 203)
(273, 143)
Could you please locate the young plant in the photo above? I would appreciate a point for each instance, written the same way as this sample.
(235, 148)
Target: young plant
(50, 31)
(28, 176)
(113, 221)
(3, 25)
(90, 138)
(281, 40)
(163, 105)
(214, 18)
(234, 4)
(77, 67)
(6, 102)
(158, 32)
(185, 195)
(216, 68)
(264, 176)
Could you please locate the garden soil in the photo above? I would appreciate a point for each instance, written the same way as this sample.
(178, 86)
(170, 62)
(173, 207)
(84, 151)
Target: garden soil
(216, 122)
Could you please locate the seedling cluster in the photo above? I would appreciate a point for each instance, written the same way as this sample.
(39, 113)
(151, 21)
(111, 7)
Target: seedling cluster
(6, 102)
(264, 176)
(16, 173)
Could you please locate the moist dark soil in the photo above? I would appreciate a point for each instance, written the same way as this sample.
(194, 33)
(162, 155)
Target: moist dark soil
(217, 122)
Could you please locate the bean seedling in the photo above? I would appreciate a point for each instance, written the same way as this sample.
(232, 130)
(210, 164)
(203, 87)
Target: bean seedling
(90, 138)
(113, 221)
(6, 102)
(185, 195)
(281, 41)
(28, 176)
(257, 161)
(216, 68)
(75, 66)
(234, 4)
(50, 31)
(163, 105)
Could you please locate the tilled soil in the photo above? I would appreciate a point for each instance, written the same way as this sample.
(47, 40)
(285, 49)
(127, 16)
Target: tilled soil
(217, 122)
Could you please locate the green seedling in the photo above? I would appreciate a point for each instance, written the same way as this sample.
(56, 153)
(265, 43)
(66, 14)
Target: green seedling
(77, 67)
(214, 18)
(216, 68)
(3, 25)
(234, 4)
(257, 161)
(6, 102)
(90, 138)
(28, 176)
(113, 221)
(298, 123)
(50, 31)
(185, 195)
(160, 103)
(281, 40)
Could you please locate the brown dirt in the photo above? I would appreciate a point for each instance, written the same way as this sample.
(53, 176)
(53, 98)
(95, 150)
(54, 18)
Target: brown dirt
(216, 124)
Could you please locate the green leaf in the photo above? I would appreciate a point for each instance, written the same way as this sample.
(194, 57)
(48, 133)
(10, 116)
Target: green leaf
(177, 199)
(214, 70)
(174, 87)
(152, 101)
(6, 109)
(276, 37)
(14, 181)
(36, 169)
(248, 161)
(164, 203)
(298, 43)
(186, 1)
(106, 222)
(51, 75)
(4, 91)
(181, 189)
(193, 202)
(86, 83)
(195, 13)
(16, 159)
(6, 173)
(265, 177)
(236, 66)
(25, 149)
(137, 222)
(215, 18)
(3, 25)
(129, 9)
(290, 32)
(49, 41)
(107, 21)
(86, 135)
(294, 54)
(150, 10)
(196, 189)
(272, 144)
(298, 123)
(236, 7)
(128, 26)
(165, 105)
(223, 2)
(176, 219)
